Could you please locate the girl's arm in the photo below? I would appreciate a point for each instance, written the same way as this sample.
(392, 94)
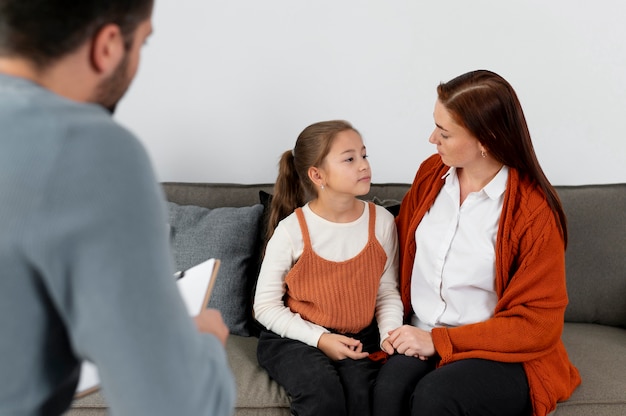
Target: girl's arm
(389, 311)
(269, 307)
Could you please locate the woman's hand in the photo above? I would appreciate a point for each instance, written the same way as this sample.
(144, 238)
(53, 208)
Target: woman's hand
(338, 347)
(412, 341)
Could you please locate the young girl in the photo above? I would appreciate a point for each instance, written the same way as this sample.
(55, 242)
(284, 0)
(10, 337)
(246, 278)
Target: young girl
(327, 291)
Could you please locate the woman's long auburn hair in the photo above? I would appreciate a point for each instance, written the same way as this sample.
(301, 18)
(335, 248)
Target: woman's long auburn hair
(293, 187)
(487, 106)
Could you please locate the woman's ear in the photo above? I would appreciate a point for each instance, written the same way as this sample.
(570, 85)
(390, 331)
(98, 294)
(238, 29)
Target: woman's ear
(107, 49)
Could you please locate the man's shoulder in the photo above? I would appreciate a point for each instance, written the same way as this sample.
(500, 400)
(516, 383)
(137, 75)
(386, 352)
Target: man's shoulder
(33, 109)
(88, 131)
(58, 144)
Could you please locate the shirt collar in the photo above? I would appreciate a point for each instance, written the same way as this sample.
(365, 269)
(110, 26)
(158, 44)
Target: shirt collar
(494, 189)
(448, 173)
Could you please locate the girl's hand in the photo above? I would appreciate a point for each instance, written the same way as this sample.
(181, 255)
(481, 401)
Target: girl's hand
(338, 347)
(387, 347)
(412, 341)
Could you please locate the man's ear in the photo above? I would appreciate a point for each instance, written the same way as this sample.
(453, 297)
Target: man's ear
(107, 49)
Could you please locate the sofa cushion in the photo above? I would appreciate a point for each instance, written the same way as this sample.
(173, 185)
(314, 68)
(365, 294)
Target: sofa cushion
(229, 234)
(598, 352)
(595, 261)
(257, 392)
(392, 205)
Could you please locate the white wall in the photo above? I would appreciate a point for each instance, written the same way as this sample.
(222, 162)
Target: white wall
(226, 86)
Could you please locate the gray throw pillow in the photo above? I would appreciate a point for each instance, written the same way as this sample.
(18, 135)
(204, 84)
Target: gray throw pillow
(231, 235)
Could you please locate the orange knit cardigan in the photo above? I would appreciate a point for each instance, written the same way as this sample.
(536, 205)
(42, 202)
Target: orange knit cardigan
(530, 284)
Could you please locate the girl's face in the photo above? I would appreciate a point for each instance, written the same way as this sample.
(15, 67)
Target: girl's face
(455, 144)
(346, 168)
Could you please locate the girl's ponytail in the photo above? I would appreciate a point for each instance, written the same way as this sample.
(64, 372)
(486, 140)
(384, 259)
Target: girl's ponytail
(288, 192)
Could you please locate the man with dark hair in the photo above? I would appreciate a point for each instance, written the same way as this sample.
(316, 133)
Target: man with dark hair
(86, 269)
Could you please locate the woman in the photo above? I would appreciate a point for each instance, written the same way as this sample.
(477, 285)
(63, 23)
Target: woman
(482, 238)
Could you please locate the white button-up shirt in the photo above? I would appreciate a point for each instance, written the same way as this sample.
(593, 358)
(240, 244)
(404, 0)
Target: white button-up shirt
(453, 280)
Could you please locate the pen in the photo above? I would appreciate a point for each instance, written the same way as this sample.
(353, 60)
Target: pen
(179, 274)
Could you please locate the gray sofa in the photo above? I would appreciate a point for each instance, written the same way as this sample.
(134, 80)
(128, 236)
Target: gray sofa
(595, 320)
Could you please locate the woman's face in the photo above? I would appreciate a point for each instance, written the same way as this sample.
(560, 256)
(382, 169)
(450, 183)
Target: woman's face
(455, 144)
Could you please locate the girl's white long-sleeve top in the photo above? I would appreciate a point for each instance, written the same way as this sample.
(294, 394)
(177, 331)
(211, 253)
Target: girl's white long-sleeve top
(334, 242)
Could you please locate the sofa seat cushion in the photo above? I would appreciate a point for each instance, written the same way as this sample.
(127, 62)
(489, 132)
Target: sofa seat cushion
(599, 353)
(256, 392)
(90, 405)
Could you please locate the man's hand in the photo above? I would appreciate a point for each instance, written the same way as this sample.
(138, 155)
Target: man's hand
(210, 321)
(337, 347)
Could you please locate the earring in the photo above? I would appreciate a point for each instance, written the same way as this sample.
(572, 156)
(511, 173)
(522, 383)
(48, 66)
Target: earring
(482, 153)
(322, 187)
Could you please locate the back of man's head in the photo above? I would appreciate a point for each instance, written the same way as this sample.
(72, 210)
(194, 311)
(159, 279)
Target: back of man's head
(43, 31)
